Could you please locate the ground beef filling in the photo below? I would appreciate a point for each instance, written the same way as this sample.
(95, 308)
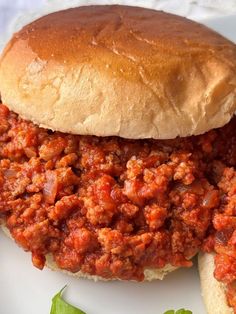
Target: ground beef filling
(113, 207)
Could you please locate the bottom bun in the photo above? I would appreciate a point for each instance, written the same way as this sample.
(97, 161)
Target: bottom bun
(150, 274)
(213, 291)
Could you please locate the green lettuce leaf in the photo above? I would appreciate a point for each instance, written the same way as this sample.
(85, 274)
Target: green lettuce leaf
(181, 311)
(59, 306)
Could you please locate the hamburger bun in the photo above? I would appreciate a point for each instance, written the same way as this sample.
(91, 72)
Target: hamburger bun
(118, 70)
(213, 291)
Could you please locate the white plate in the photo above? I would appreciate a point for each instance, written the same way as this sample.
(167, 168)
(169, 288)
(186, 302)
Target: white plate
(26, 290)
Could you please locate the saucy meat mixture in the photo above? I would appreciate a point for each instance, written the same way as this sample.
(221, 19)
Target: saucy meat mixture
(114, 207)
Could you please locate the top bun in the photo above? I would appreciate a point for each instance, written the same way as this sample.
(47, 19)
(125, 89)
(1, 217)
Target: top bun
(119, 70)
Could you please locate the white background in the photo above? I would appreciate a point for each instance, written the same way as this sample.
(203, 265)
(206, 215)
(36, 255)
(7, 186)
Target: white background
(26, 290)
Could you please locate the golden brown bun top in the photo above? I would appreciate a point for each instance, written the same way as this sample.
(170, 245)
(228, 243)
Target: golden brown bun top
(119, 70)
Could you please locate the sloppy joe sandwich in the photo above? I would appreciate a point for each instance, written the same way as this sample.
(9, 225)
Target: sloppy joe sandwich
(117, 143)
